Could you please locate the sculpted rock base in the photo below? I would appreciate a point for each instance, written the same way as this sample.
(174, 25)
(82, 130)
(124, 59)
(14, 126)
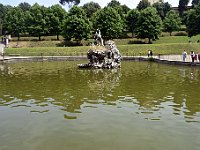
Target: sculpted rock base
(107, 56)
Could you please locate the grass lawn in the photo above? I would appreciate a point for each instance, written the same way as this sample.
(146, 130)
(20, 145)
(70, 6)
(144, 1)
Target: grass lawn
(165, 45)
(129, 50)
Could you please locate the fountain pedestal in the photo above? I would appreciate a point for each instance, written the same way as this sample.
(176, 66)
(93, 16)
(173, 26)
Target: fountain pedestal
(107, 56)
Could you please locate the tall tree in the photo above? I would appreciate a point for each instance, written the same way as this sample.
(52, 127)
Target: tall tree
(15, 21)
(109, 22)
(114, 3)
(37, 20)
(2, 15)
(193, 21)
(25, 6)
(70, 2)
(3, 11)
(182, 6)
(125, 9)
(132, 19)
(172, 22)
(149, 24)
(90, 8)
(195, 2)
(77, 26)
(143, 4)
(162, 8)
(122, 10)
(56, 16)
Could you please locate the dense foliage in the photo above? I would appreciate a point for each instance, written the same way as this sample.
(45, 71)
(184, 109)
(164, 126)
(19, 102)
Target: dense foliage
(193, 21)
(149, 24)
(15, 21)
(37, 20)
(143, 4)
(77, 26)
(90, 8)
(195, 2)
(109, 22)
(162, 8)
(172, 22)
(25, 6)
(132, 19)
(57, 17)
(114, 20)
(182, 6)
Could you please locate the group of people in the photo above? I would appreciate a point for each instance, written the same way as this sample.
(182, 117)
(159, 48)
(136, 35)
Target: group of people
(192, 54)
(194, 57)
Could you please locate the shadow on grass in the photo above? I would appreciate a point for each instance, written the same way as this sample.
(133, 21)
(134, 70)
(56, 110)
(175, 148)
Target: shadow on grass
(136, 42)
(69, 43)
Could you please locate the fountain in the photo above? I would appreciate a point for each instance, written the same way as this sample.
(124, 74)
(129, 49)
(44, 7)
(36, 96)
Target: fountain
(102, 56)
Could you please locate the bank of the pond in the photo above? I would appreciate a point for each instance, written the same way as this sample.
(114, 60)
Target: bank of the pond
(164, 59)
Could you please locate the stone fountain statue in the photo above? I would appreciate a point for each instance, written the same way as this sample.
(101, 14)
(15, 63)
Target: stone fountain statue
(104, 56)
(98, 38)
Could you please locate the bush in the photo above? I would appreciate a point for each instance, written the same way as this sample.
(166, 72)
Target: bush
(69, 43)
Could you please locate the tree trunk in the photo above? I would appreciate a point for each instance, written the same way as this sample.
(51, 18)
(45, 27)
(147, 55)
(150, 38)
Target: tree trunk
(132, 33)
(78, 42)
(39, 37)
(18, 37)
(170, 33)
(149, 40)
(58, 36)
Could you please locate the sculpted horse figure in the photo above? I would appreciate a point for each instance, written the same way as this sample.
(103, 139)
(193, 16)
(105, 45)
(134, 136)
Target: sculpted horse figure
(98, 38)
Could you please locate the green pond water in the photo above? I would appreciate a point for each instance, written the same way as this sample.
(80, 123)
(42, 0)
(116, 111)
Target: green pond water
(56, 106)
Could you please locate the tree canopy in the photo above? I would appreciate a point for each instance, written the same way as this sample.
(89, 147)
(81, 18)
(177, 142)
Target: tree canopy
(109, 22)
(15, 21)
(114, 21)
(193, 21)
(57, 17)
(195, 2)
(114, 3)
(3, 11)
(143, 4)
(37, 20)
(162, 8)
(172, 22)
(25, 6)
(132, 19)
(77, 26)
(149, 24)
(90, 8)
(182, 6)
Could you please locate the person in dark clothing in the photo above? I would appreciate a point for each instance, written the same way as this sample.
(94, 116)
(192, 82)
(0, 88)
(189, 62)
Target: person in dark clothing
(192, 56)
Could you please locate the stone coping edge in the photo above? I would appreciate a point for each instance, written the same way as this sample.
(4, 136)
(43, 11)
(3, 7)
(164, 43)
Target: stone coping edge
(74, 58)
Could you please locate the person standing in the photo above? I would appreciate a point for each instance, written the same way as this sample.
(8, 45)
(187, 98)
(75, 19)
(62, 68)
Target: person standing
(184, 55)
(2, 50)
(192, 56)
(199, 57)
(149, 52)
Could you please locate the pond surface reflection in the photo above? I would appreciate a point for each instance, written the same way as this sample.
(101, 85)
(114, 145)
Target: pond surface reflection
(55, 105)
